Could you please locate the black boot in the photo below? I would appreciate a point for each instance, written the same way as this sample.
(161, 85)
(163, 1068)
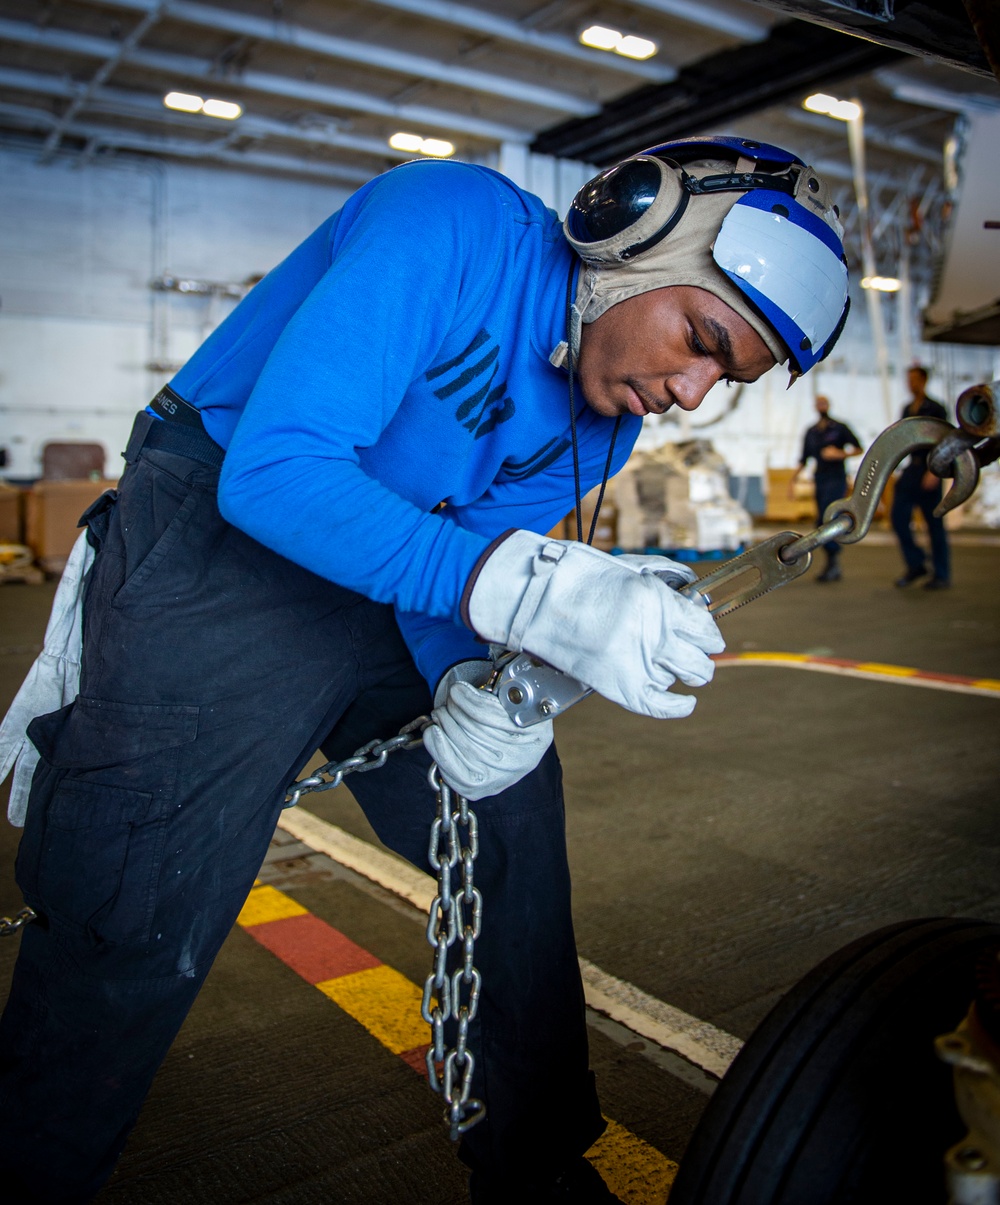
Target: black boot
(911, 576)
(580, 1184)
(832, 571)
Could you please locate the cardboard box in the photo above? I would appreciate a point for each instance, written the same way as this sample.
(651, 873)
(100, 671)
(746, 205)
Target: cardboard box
(782, 509)
(10, 514)
(606, 532)
(52, 511)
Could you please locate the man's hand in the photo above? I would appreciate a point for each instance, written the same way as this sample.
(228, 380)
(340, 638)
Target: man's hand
(477, 746)
(671, 573)
(929, 481)
(622, 632)
(832, 453)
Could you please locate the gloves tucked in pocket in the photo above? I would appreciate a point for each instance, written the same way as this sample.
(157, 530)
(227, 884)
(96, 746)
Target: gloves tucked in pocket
(52, 682)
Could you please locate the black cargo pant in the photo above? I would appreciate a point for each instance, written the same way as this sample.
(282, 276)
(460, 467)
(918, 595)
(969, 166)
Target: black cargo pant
(909, 496)
(213, 668)
(830, 487)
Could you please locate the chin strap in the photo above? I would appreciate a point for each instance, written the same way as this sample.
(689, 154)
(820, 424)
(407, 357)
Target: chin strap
(572, 349)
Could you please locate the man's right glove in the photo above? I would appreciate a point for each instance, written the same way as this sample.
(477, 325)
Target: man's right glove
(616, 627)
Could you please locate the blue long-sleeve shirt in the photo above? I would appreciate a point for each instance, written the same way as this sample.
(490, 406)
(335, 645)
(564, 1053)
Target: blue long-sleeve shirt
(398, 359)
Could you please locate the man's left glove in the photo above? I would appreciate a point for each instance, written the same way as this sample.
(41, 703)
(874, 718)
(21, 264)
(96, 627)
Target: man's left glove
(477, 746)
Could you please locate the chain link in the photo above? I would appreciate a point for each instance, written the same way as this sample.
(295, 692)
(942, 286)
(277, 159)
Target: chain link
(456, 914)
(369, 757)
(9, 925)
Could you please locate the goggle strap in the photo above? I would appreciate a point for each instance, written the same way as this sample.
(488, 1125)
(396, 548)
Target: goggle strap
(638, 248)
(738, 182)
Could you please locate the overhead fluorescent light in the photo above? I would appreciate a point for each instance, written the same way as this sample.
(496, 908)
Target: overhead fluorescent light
(882, 284)
(830, 106)
(183, 101)
(228, 110)
(186, 102)
(633, 47)
(437, 148)
(600, 37)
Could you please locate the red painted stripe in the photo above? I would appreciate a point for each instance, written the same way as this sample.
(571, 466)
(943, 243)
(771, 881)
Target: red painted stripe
(959, 678)
(417, 1059)
(312, 948)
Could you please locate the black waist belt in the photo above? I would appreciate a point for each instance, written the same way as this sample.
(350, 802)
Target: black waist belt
(175, 409)
(176, 428)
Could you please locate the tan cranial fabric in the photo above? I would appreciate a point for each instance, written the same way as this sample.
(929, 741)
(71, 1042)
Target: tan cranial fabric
(684, 256)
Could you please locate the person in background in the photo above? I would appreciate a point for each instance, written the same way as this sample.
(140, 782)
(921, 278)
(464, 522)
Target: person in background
(830, 443)
(917, 486)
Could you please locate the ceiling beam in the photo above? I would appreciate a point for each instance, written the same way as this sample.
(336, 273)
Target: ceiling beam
(133, 39)
(383, 58)
(119, 102)
(794, 58)
(491, 25)
(916, 92)
(902, 144)
(219, 151)
(178, 67)
(695, 12)
(475, 20)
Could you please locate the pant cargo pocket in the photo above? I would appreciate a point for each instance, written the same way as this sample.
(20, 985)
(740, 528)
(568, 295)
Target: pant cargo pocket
(97, 816)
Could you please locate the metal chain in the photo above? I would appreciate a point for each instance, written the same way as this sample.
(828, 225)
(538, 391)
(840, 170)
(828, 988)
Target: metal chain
(455, 915)
(9, 925)
(369, 757)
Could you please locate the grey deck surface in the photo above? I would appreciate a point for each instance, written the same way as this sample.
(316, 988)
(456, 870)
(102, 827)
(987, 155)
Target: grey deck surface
(715, 861)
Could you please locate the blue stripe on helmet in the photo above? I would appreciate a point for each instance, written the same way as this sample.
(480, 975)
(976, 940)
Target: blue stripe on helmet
(691, 148)
(795, 211)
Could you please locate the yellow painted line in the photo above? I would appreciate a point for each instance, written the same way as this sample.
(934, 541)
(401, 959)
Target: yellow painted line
(385, 1002)
(879, 667)
(631, 1168)
(870, 671)
(774, 656)
(266, 904)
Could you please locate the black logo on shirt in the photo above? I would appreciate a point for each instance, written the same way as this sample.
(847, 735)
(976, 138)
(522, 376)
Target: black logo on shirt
(483, 404)
(548, 453)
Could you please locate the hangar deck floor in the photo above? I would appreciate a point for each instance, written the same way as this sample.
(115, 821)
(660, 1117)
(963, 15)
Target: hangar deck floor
(715, 861)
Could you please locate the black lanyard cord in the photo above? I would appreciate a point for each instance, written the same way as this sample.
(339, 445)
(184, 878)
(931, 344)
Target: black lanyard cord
(572, 426)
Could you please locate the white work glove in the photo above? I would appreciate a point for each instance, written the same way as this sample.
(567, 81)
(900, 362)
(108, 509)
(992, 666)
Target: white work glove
(479, 749)
(672, 573)
(615, 626)
(52, 682)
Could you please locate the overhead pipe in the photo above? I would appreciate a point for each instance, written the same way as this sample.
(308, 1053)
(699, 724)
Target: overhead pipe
(476, 20)
(121, 103)
(385, 58)
(190, 67)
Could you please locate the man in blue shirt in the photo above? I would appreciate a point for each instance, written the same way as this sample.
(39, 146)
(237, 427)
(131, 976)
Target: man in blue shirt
(328, 522)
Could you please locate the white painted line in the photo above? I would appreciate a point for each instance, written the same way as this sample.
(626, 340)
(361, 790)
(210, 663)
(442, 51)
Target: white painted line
(382, 867)
(848, 671)
(709, 1048)
(696, 1041)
